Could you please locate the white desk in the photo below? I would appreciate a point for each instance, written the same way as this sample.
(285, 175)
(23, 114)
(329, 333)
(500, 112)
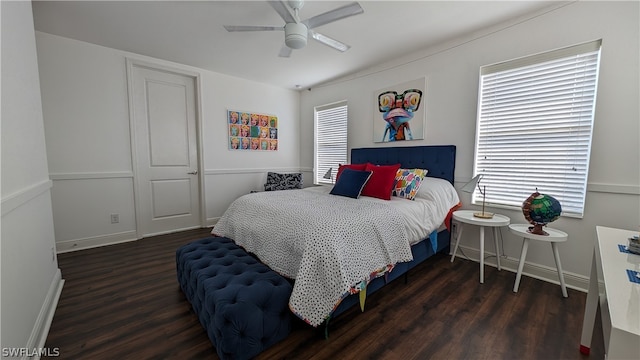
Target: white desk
(466, 217)
(554, 236)
(619, 301)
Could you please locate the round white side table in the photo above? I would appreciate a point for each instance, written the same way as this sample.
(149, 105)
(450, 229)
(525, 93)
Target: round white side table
(554, 237)
(466, 217)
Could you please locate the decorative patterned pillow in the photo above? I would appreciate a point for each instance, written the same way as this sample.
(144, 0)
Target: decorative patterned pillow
(351, 183)
(381, 182)
(408, 182)
(276, 181)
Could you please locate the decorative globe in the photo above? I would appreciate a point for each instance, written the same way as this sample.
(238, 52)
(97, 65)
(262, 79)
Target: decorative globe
(539, 210)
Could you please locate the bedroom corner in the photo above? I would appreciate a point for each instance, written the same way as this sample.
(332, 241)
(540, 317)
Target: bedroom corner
(31, 280)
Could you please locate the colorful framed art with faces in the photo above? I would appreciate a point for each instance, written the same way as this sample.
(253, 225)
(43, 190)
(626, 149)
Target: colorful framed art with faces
(252, 131)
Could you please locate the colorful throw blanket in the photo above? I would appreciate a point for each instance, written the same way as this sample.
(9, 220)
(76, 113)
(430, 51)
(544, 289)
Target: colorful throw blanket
(331, 245)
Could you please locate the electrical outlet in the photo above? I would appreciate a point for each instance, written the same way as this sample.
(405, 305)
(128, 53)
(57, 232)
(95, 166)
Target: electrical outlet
(115, 218)
(53, 254)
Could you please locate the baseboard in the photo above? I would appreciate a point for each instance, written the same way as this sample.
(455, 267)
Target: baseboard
(95, 241)
(41, 328)
(171, 231)
(212, 221)
(536, 271)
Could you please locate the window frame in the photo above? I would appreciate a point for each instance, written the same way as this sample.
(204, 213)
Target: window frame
(335, 137)
(554, 184)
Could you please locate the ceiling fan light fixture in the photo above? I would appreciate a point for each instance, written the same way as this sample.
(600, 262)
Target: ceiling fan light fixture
(295, 35)
(297, 31)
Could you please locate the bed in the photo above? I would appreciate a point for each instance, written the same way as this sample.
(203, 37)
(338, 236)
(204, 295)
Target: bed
(339, 249)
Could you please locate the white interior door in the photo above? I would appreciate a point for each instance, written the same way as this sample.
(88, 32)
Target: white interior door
(166, 147)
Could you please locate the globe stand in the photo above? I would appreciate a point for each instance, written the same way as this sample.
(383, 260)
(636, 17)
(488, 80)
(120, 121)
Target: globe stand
(539, 210)
(537, 229)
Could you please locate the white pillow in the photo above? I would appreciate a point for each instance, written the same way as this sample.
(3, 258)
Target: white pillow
(439, 190)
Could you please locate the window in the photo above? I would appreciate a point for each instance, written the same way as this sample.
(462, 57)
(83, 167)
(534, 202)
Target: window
(330, 139)
(535, 121)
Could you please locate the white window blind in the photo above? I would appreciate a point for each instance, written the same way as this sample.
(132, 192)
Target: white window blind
(330, 140)
(534, 128)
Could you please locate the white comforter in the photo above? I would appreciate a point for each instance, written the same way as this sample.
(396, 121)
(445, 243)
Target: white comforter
(328, 243)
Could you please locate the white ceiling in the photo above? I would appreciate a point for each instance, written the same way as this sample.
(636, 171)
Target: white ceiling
(192, 33)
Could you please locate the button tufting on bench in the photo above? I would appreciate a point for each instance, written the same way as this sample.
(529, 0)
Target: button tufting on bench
(241, 303)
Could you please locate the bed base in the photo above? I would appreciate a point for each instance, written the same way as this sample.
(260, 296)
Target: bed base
(440, 160)
(420, 251)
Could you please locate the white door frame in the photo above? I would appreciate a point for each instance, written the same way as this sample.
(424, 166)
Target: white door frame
(130, 64)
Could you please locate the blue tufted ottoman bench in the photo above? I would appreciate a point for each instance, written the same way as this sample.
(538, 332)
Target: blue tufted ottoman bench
(241, 303)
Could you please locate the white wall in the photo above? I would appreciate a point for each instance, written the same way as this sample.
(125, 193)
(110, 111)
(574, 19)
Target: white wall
(452, 71)
(86, 115)
(31, 281)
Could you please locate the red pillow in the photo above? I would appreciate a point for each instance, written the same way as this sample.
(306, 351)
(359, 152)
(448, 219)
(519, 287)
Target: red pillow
(359, 167)
(380, 184)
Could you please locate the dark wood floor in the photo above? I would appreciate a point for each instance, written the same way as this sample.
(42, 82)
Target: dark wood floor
(123, 302)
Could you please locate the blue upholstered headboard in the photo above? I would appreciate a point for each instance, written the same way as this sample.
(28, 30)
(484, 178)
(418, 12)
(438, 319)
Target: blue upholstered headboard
(439, 160)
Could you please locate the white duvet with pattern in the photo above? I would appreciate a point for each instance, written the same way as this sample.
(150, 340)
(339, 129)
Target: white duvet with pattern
(327, 243)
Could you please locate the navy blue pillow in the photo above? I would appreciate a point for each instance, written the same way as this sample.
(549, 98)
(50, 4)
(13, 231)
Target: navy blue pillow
(351, 182)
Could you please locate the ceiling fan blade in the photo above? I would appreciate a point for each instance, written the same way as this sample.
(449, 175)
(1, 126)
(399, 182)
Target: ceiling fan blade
(283, 11)
(330, 16)
(285, 51)
(232, 28)
(330, 42)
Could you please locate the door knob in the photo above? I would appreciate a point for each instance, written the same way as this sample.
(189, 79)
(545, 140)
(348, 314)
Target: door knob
(193, 172)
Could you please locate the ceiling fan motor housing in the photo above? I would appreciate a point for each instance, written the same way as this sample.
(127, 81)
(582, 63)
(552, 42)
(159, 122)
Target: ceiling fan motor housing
(295, 35)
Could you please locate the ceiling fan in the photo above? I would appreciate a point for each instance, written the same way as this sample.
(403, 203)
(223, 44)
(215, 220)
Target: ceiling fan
(297, 31)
